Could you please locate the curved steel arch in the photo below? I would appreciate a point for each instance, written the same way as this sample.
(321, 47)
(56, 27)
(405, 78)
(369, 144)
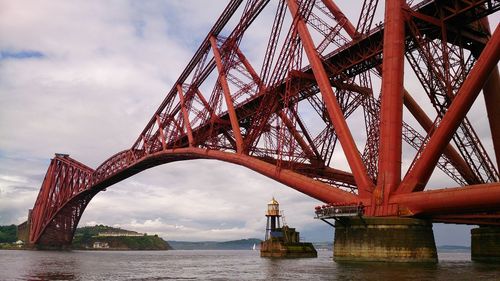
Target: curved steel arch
(63, 216)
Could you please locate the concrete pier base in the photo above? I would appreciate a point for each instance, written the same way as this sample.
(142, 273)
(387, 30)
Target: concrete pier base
(485, 244)
(278, 249)
(384, 240)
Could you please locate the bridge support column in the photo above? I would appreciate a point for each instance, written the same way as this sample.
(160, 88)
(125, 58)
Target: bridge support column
(485, 244)
(384, 240)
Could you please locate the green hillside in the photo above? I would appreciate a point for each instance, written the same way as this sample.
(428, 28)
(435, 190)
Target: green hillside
(95, 230)
(86, 237)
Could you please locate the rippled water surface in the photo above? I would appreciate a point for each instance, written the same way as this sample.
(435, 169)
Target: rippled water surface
(225, 265)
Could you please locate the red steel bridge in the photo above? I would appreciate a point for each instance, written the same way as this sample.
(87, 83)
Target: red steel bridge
(292, 111)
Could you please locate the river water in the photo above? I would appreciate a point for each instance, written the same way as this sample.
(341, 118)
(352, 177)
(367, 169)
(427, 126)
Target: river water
(225, 265)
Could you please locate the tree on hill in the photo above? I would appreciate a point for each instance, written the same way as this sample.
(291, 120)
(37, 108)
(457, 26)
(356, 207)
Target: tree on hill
(96, 229)
(8, 233)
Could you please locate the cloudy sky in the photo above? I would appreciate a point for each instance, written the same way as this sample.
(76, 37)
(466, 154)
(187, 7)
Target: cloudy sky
(84, 77)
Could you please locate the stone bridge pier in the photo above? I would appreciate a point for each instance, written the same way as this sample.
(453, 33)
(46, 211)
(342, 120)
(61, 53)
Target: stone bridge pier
(384, 240)
(485, 244)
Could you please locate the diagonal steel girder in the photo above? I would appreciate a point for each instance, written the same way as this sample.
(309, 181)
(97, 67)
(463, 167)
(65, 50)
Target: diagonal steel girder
(418, 176)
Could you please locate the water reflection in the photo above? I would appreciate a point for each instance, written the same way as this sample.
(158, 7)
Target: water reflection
(42, 265)
(225, 265)
(387, 271)
(51, 276)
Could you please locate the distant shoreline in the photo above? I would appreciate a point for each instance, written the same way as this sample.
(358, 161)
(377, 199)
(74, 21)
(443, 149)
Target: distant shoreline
(243, 244)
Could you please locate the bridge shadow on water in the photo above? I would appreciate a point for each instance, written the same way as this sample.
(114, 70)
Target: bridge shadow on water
(386, 271)
(452, 266)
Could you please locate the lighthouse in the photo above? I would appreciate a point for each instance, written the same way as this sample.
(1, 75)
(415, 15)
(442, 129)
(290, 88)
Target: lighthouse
(283, 241)
(273, 219)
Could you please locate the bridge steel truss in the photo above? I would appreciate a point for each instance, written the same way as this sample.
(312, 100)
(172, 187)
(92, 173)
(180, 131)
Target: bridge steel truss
(285, 121)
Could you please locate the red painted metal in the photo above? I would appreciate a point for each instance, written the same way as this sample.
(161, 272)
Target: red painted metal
(364, 183)
(391, 105)
(450, 152)
(65, 179)
(492, 101)
(227, 96)
(451, 163)
(423, 167)
(441, 68)
(185, 116)
(460, 200)
(340, 17)
(262, 121)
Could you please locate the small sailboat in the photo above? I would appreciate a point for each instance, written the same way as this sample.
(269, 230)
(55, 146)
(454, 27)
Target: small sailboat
(253, 248)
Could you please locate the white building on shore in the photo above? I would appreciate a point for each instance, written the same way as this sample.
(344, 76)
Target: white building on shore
(115, 234)
(100, 245)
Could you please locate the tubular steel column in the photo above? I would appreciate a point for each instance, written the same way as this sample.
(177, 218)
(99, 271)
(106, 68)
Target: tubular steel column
(38, 214)
(162, 134)
(422, 170)
(391, 108)
(227, 96)
(427, 124)
(302, 143)
(363, 182)
(340, 16)
(412, 106)
(492, 100)
(485, 197)
(185, 115)
(249, 67)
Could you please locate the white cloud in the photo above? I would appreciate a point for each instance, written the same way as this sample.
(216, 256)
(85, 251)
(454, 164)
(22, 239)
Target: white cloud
(14, 179)
(211, 205)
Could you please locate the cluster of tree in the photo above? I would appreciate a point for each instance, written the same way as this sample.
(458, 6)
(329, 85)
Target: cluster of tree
(8, 233)
(96, 229)
(86, 236)
(150, 242)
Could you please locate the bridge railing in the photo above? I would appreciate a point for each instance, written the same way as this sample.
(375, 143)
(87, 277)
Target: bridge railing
(339, 210)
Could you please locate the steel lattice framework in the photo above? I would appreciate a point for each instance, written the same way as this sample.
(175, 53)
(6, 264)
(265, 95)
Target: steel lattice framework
(286, 120)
